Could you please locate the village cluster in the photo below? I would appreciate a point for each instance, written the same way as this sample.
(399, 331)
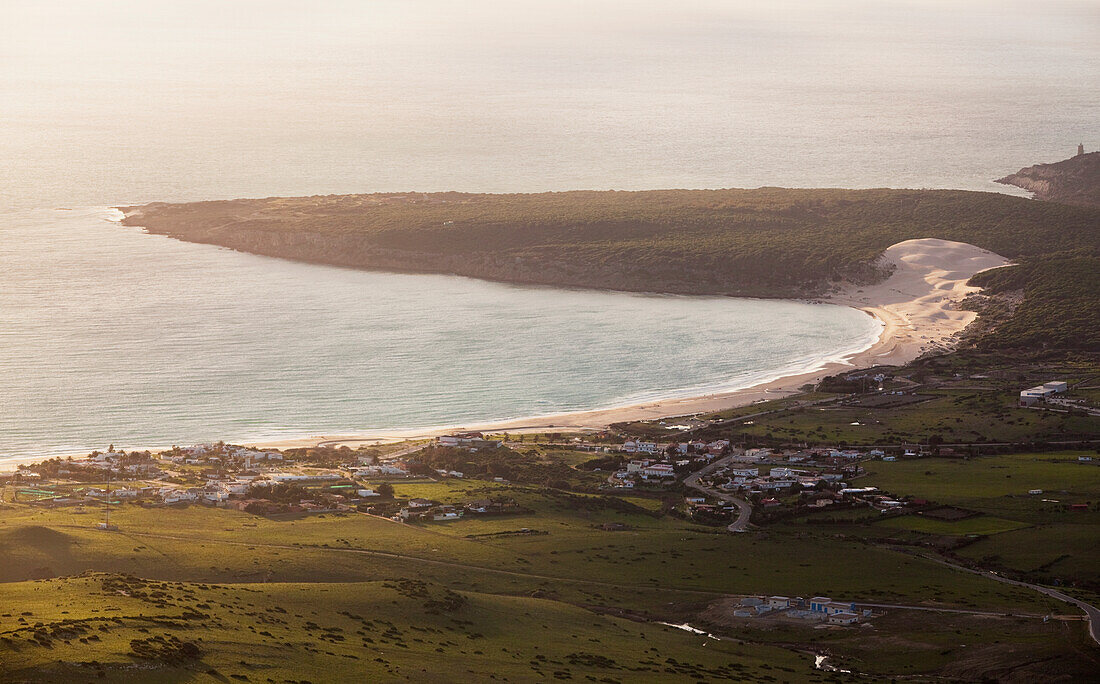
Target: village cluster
(816, 477)
(213, 474)
(260, 482)
(716, 478)
(819, 608)
(667, 461)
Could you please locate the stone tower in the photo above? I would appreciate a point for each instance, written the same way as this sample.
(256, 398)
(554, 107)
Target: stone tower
(1080, 149)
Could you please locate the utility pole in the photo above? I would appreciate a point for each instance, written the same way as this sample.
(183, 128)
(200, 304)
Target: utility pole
(107, 518)
(106, 524)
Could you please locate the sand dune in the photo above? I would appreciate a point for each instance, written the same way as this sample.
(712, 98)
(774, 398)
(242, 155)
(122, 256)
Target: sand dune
(917, 303)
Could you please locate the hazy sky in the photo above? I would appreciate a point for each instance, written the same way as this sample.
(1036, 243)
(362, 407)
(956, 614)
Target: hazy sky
(142, 100)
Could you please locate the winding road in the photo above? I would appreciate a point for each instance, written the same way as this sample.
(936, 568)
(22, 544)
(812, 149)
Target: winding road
(744, 510)
(1092, 613)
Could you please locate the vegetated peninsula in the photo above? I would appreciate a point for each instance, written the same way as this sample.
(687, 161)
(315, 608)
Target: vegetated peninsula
(1073, 181)
(767, 242)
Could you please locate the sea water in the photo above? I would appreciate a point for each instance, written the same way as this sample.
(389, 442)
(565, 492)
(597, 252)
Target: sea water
(110, 335)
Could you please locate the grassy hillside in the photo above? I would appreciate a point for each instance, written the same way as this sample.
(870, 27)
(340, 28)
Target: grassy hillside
(124, 628)
(770, 242)
(225, 596)
(1036, 536)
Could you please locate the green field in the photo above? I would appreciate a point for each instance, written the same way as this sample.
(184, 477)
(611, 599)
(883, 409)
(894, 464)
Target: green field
(993, 484)
(953, 415)
(89, 627)
(658, 559)
(552, 565)
(983, 525)
(1036, 535)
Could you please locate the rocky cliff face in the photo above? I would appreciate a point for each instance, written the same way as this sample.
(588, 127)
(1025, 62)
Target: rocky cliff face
(1073, 181)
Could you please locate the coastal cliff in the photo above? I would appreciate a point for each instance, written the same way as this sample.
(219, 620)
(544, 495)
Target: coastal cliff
(1073, 181)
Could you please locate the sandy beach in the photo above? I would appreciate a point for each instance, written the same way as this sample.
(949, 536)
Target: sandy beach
(917, 306)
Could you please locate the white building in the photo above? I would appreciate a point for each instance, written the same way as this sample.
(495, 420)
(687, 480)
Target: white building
(1042, 392)
(379, 470)
(778, 602)
(659, 470)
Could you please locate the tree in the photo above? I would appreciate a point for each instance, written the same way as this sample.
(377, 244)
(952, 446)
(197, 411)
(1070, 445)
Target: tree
(385, 490)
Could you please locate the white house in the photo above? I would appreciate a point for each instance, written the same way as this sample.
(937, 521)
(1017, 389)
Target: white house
(174, 496)
(659, 470)
(777, 484)
(778, 602)
(379, 470)
(834, 607)
(843, 618)
(818, 603)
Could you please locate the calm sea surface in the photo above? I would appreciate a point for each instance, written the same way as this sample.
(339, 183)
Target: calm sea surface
(109, 335)
(112, 335)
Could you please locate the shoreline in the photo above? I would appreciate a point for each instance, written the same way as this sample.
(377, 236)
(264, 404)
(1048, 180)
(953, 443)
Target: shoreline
(916, 307)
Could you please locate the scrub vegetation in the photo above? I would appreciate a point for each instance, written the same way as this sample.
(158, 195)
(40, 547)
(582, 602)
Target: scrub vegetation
(769, 242)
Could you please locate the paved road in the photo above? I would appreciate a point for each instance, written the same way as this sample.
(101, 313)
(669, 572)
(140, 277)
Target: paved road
(740, 419)
(401, 453)
(936, 609)
(1092, 613)
(744, 510)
